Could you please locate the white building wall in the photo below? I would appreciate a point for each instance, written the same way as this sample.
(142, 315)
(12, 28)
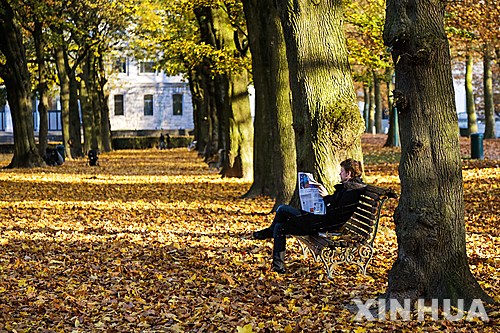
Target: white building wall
(134, 85)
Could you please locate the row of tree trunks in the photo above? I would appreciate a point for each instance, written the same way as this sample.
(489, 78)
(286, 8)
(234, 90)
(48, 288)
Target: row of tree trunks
(17, 81)
(274, 147)
(231, 119)
(469, 95)
(94, 106)
(393, 126)
(373, 104)
(208, 140)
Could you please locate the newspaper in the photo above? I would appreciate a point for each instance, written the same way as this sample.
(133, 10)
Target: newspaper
(310, 199)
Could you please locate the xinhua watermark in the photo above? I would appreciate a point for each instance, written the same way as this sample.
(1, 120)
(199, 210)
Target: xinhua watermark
(393, 310)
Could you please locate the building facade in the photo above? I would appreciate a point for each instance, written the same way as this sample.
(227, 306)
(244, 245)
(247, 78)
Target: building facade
(142, 99)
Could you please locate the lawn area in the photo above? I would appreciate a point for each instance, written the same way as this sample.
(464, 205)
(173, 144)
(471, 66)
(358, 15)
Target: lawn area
(155, 241)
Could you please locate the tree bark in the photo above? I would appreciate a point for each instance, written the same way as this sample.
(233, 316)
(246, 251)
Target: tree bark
(17, 82)
(232, 102)
(327, 121)
(75, 132)
(274, 164)
(64, 95)
(101, 117)
(391, 142)
(489, 104)
(371, 108)
(378, 104)
(366, 106)
(87, 105)
(239, 131)
(38, 38)
(432, 259)
(210, 105)
(469, 95)
(200, 115)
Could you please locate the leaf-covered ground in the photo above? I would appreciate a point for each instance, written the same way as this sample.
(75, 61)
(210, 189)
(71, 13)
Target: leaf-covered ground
(154, 241)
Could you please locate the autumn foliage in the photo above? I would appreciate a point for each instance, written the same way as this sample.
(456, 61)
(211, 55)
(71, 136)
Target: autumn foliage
(155, 241)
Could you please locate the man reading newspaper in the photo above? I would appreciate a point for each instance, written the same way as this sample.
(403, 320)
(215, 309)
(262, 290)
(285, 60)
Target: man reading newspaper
(339, 208)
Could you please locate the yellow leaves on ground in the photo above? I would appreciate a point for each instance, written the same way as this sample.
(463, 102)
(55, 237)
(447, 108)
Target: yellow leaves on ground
(154, 241)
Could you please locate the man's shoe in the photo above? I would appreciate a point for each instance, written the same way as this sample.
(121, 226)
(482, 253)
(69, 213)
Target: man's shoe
(279, 262)
(279, 270)
(263, 234)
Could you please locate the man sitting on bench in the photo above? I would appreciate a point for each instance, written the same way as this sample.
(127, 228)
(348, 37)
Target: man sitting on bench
(340, 206)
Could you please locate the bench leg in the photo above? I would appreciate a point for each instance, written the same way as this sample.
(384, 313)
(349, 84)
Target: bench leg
(331, 257)
(365, 253)
(306, 249)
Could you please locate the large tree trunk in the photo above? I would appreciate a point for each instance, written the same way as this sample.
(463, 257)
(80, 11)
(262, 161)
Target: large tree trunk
(432, 259)
(64, 95)
(42, 88)
(207, 114)
(240, 140)
(210, 104)
(274, 148)
(87, 106)
(393, 125)
(200, 115)
(489, 104)
(378, 104)
(238, 133)
(75, 132)
(232, 102)
(371, 108)
(366, 106)
(469, 95)
(327, 121)
(17, 81)
(101, 113)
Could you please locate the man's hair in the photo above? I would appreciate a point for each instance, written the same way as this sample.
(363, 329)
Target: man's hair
(352, 166)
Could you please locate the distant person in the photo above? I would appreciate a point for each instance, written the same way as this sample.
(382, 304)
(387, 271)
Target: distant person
(340, 206)
(169, 143)
(92, 155)
(52, 157)
(162, 141)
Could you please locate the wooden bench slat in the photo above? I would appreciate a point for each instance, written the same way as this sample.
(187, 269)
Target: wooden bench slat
(357, 230)
(371, 195)
(366, 215)
(369, 208)
(361, 230)
(361, 221)
(367, 202)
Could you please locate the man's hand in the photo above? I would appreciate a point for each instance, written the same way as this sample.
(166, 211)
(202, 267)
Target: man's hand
(322, 190)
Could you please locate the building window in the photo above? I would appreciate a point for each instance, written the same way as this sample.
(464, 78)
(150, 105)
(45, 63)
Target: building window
(146, 67)
(120, 65)
(119, 105)
(148, 105)
(55, 123)
(2, 118)
(177, 104)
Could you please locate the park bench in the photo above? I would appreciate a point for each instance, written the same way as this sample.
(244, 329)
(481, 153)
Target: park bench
(353, 244)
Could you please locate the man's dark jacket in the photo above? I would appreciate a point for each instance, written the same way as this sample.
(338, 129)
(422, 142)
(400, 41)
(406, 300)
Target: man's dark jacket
(340, 206)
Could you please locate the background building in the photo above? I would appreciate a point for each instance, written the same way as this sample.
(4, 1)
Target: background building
(143, 100)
